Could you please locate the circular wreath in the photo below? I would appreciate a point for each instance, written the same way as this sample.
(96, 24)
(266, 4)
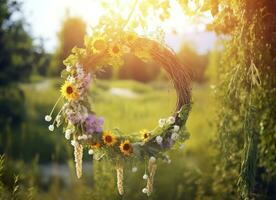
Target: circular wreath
(85, 129)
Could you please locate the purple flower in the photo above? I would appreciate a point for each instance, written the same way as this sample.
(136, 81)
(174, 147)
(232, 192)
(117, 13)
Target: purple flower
(169, 143)
(74, 117)
(94, 124)
(84, 81)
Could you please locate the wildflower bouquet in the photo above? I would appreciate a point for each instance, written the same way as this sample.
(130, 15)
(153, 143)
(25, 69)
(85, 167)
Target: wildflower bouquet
(85, 129)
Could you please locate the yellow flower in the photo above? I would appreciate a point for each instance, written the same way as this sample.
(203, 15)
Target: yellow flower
(98, 44)
(145, 134)
(126, 148)
(109, 138)
(130, 37)
(95, 145)
(115, 50)
(69, 91)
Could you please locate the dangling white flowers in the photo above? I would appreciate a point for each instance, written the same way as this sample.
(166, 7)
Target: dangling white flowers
(159, 139)
(175, 128)
(48, 118)
(171, 120)
(134, 169)
(51, 127)
(90, 151)
(145, 176)
(162, 122)
(174, 136)
(145, 190)
(152, 159)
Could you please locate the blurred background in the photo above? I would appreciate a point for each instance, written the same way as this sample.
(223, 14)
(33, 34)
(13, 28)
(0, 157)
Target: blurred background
(35, 37)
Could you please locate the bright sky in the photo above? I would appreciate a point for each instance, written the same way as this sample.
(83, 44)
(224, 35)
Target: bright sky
(46, 16)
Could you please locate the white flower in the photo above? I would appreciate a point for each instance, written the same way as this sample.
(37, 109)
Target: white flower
(58, 120)
(80, 137)
(84, 137)
(152, 159)
(68, 131)
(67, 136)
(162, 122)
(181, 146)
(145, 190)
(68, 68)
(174, 136)
(134, 169)
(169, 161)
(71, 79)
(90, 152)
(51, 127)
(171, 120)
(74, 143)
(175, 128)
(145, 177)
(48, 118)
(159, 139)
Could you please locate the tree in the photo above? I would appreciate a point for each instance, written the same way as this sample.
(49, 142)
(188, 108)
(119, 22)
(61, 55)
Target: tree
(247, 95)
(71, 35)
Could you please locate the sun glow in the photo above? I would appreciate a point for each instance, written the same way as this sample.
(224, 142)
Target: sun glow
(46, 17)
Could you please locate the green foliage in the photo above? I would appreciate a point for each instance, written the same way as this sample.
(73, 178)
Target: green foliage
(197, 63)
(248, 92)
(71, 35)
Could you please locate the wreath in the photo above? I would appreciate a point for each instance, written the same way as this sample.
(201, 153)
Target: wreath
(84, 128)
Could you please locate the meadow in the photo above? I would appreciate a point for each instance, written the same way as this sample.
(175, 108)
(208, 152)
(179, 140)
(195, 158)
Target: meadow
(131, 106)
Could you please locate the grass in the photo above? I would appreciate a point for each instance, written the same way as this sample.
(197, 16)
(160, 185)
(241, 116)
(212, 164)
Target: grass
(152, 101)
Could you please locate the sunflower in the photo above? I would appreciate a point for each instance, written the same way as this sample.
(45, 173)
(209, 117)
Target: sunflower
(109, 138)
(130, 37)
(98, 44)
(95, 145)
(115, 50)
(126, 148)
(69, 91)
(145, 134)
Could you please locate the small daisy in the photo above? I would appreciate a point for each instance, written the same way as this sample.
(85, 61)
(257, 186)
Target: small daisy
(48, 118)
(134, 169)
(145, 190)
(109, 138)
(145, 176)
(159, 139)
(174, 136)
(175, 128)
(51, 127)
(90, 151)
(171, 120)
(126, 148)
(162, 122)
(69, 91)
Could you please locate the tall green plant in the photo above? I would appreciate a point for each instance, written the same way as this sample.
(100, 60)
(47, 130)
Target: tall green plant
(248, 95)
